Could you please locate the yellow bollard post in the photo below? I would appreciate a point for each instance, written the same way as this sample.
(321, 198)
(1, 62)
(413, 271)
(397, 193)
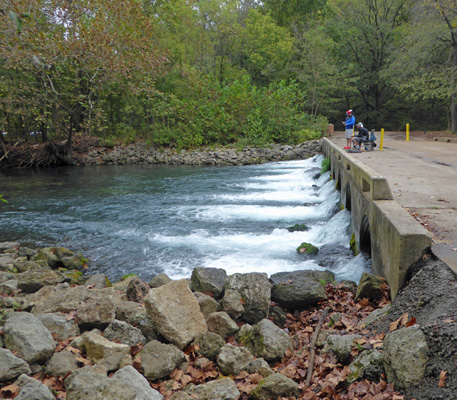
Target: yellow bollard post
(382, 139)
(407, 132)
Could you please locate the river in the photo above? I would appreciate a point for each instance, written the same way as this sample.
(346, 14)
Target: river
(152, 219)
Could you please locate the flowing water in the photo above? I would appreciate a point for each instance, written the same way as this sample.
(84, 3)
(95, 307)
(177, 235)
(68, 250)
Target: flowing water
(151, 219)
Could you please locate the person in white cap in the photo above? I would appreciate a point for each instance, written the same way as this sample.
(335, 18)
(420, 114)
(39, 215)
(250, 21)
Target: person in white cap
(362, 136)
(349, 131)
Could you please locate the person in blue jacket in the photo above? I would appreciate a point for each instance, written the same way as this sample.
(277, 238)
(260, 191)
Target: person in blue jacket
(349, 124)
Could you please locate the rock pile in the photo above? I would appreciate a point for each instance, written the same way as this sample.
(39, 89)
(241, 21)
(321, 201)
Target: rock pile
(130, 339)
(143, 154)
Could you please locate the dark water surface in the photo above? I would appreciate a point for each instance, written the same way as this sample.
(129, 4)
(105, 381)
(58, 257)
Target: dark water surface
(152, 219)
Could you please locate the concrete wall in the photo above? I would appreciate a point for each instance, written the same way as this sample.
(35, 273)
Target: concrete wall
(382, 228)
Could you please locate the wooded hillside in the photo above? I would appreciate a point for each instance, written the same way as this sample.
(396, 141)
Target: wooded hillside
(187, 73)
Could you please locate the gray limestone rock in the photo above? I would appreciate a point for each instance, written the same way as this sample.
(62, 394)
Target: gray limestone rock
(207, 304)
(59, 325)
(96, 312)
(221, 389)
(102, 351)
(259, 366)
(221, 323)
(275, 386)
(268, 341)
(31, 389)
(129, 376)
(33, 280)
(255, 290)
(300, 289)
(23, 265)
(132, 313)
(124, 333)
(25, 335)
(232, 303)
(137, 290)
(11, 366)
(62, 363)
(159, 280)
(377, 315)
(159, 360)
(175, 312)
(340, 345)
(405, 356)
(97, 281)
(367, 365)
(91, 383)
(208, 280)
(232, 359)
(370, 287)
(209, 344)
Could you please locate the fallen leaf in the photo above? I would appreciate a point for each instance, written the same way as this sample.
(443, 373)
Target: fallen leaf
(443, 376)
(9, 391)
(448, 320)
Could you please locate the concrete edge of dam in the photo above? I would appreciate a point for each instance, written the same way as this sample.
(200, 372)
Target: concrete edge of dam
(382, 228)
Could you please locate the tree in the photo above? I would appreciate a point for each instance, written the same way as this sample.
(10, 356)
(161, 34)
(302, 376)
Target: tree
(71, 49)
(265, 46)
(366, 32)
(426, 59)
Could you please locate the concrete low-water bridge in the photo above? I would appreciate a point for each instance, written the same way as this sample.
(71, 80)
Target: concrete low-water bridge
(403, 200)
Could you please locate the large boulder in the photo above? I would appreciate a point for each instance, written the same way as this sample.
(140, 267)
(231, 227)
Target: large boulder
(23, 265)
(60, 326)
(159, 360)
(255, 290)
(102, 351)
(405, 356)
(129, 376)
(300, 289)
(11, 366)
(232, 359)
(221, 323)
(275, 386)
(34, 280)
(175, 312)
(221, 389)
(27, 337)
(31, 389)
(210, 280)
(267, 341)
(122, 332)
(96, 312)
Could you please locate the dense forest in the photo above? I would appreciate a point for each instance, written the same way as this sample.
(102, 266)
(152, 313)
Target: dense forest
(188, 73)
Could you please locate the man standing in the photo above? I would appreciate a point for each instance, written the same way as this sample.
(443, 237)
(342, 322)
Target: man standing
(349, 124)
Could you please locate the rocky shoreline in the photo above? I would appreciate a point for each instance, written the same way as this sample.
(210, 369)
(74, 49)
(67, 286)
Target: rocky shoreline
(66, 335)
(143, 154)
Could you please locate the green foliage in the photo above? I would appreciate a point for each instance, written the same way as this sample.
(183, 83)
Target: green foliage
(325, 165)
(2, 199)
